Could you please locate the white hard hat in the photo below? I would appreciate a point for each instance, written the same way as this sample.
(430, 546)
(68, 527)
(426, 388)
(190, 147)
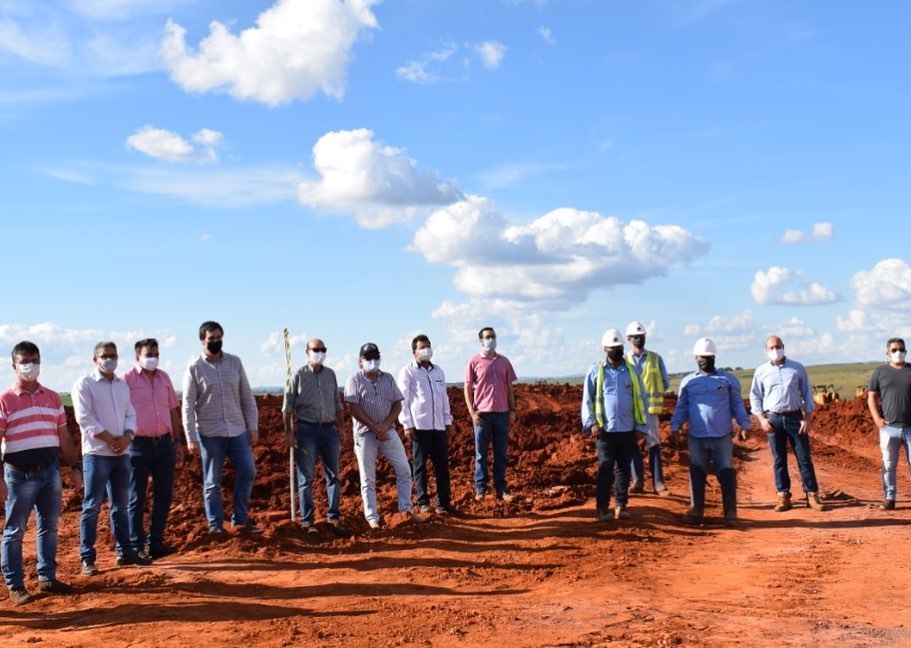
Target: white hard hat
(611, 338)
(704, 347)
(635, 328)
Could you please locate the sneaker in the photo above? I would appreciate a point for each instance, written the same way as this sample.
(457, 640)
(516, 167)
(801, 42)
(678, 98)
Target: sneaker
(160, 550)
(815, 503)
(54, 586)
(20, 596)
(89, 568)
(784, 502)
(133, 558)
(338, 529)
(637, 487)
(248, 527)
(604, 514)
(662, 490)
(480, 495)
(373, 524)
(692, 517)
(424, 508)
(506, 496)
(621, 513)
(309, 527)
(218, 532)
(887, 505)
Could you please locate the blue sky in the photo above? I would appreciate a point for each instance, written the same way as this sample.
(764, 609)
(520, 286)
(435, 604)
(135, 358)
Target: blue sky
(369, 170)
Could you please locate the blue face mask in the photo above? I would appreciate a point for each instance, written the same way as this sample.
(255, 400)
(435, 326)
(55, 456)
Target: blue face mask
(489, 344)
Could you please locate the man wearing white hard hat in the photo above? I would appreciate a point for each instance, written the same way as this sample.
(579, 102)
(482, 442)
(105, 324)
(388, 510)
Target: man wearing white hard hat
(650, 366)
(613, 410)
(709, 400)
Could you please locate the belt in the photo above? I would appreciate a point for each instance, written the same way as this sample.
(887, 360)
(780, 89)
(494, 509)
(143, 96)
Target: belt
(31, 469)
(315, 424)
(159, 438)
(796, 412)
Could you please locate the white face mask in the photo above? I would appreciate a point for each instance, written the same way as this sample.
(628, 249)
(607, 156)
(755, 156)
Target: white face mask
(317, 357)
(775, 354)
(489, 344)
(371, 365)
(897, 357)
(149, 363)
(107, 365)
(425, 354)
(29, 371)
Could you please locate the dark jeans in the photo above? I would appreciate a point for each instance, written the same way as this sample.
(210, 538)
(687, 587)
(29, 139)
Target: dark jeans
(435, 445)
(102, 473)
(150, 457)
(317, 441)
(615, 449)
(494, 427)
(786, 428)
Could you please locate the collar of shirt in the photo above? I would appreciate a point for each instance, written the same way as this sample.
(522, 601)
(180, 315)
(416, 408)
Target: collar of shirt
(98, 376)
(18, 390)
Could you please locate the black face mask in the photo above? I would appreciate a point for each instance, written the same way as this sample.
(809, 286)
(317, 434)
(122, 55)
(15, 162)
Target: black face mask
(706, 364)
(214, 347)
(615, 354)
(637, 341)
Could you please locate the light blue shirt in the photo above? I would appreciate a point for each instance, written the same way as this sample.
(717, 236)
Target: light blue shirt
(709, 402)
(618, 399)
(781, 388)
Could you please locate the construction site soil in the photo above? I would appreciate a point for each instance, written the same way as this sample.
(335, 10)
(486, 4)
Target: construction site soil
(538, 571)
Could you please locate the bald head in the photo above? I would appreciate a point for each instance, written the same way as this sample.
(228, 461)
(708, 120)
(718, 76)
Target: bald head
(773, 342)
(316, 352)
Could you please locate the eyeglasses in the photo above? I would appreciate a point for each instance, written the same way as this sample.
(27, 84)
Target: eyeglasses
(902, 349)
(319, 349)
(371, 357)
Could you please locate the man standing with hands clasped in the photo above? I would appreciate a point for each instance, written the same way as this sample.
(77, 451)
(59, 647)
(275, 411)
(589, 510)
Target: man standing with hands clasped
(782, 402)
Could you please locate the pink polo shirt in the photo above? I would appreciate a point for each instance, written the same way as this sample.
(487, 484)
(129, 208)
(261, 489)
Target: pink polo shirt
(30, 420)
(490, 378)
(153, 401)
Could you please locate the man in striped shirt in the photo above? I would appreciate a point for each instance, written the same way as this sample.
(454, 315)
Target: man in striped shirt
(375, 402)
(33, 432)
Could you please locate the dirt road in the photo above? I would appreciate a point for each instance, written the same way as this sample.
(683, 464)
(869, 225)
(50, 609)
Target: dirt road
(527, 575)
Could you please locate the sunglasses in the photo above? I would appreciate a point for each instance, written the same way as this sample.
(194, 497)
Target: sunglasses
(319, 349)
(902, 349)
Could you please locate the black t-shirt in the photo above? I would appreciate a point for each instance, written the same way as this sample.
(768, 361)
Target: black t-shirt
(893, 384)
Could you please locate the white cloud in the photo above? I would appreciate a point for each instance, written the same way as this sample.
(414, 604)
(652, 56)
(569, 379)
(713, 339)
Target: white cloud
(513, 173)
(379, 184)
(491, 53)
(275, 344)
(166, 145)
(730, 333)
(793, 327)
(298, 48)
(416, 71)
(768, 287)
(552, 262)
(820, 232)
(882, 300)
(45, 43)
(546, 35)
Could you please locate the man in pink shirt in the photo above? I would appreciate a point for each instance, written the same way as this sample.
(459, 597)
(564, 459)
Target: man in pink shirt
(492, 406)
(155, 449)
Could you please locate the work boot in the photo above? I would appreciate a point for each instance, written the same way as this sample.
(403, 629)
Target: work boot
(815, 503)
(784, 502)
(697, 496)
(728, 480)
(20, 596)
(604, 514)
(887, 505)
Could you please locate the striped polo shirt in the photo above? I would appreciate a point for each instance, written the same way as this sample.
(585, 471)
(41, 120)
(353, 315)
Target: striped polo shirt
(374, 397)
(29, 421)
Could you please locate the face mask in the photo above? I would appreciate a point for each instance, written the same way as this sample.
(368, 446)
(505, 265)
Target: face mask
(615, 354)
(29, 371)
(317, 357)
(896, 357)
(214, 347)
(371, 365)
(637, 341)
(489, 344)
(706, 364)
(775, 354)
(107, 365)
(149, 363)
(425, 354)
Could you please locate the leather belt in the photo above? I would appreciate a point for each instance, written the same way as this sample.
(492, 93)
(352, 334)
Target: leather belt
(796, 412)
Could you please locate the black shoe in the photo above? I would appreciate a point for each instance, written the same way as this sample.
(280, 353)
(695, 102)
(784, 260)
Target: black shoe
(338, 529)
(54, 587)
(887, 505)
(218, 532)
(20, 596)
(637, 487)
(89, 568)
(133, 558)
(248, 526)
(160, 550)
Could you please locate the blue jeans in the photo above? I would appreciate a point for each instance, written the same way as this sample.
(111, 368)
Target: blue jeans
(891, 440)
(317, 441)
(435, 445)
(102, 473)
(787, 429)
(719, 450)
(615, 449)
(39, 490)
(150, 456)
(494, 427)
(214, 451)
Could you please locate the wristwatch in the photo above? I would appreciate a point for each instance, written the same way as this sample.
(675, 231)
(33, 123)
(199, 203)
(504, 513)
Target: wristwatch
(130, 435)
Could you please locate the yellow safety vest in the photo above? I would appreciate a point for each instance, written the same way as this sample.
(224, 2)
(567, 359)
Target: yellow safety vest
(654, 384)
(638, 409)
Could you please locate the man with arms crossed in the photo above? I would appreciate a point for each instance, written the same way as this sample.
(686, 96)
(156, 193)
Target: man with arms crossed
(889, 400)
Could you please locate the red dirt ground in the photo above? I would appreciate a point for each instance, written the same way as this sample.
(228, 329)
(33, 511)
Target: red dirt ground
(539, 571)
